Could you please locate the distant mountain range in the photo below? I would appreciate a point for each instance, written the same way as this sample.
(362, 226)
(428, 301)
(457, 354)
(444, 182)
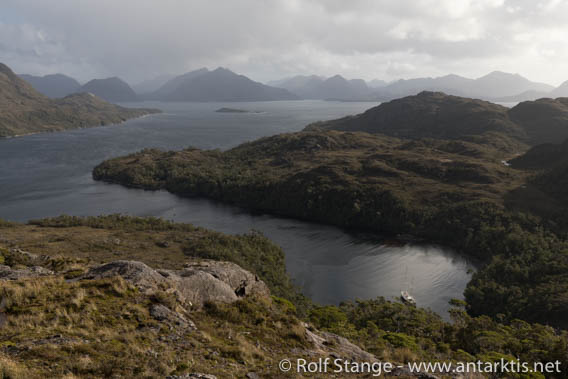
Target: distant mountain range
(56, 85)
(217, 85)
(490, 87)
(224, 85)
(333, 88)
(23, 110)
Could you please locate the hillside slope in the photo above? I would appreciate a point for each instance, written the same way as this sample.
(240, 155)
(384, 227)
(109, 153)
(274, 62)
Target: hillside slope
(549, 165)
(116, 296)
(429, 115)
(453, 192)
(23, 110)
(544, 120)
(440, 116)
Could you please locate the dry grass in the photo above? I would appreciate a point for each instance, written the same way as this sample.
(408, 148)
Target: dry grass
(10, 369)
(102, 328)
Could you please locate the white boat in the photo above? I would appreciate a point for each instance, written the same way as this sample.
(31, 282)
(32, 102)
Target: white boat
(407, 298)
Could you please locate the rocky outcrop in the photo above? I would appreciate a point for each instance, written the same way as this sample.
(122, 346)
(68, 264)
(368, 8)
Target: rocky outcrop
(196, 284)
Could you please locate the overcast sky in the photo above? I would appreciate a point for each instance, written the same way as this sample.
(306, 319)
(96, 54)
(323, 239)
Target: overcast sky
(270, 39)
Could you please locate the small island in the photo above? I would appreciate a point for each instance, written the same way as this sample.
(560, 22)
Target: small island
(235, 110)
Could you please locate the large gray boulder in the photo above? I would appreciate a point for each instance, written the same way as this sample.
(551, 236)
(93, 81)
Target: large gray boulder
(198, 283)
(244, 282)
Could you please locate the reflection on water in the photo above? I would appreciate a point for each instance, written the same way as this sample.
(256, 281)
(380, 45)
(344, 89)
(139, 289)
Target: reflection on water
(50, 174)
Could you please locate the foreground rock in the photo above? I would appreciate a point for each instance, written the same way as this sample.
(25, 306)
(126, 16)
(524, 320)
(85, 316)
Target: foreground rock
(196, 284)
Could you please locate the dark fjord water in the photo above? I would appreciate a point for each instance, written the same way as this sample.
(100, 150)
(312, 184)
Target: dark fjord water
(50, 174)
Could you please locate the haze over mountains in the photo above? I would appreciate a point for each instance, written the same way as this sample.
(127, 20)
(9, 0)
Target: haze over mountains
(151, 85)
(490, 87)
(221, 84)
(55, 85)
(561, 91)
(317, 87)
(58, 85)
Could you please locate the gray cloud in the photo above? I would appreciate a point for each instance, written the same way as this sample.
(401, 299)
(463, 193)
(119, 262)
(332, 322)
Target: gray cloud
(266, 39)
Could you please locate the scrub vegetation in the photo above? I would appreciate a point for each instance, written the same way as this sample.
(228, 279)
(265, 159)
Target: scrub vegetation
(432, 166)
(59, 325)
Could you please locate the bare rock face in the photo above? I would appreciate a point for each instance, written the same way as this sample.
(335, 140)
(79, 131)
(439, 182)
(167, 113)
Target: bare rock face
(197, 283)
(9, 273)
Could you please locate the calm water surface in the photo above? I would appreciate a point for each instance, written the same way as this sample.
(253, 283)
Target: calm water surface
(50, 174)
